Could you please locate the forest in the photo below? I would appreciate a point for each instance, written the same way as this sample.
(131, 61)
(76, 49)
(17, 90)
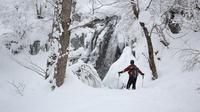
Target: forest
(99, 55)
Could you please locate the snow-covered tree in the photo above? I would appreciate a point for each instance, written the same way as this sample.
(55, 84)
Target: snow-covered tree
(136, 11)
(59, 40)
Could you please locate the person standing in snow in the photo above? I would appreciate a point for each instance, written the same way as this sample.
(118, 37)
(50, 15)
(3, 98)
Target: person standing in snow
(133, 73)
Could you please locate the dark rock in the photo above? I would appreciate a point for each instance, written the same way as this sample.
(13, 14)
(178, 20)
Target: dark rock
(174, 28)
(78, 41)
(35, 48)
(76, 17)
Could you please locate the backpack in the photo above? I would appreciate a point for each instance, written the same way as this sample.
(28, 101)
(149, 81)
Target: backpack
(133, 72)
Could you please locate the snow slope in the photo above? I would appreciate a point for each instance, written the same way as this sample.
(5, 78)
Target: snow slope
(22, 90)
(170, 93)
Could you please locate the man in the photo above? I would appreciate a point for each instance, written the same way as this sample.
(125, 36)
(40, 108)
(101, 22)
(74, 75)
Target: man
(133, 73)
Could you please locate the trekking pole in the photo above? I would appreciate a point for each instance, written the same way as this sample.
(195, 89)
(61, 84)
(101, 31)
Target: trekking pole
(118, 80)
(142, 80)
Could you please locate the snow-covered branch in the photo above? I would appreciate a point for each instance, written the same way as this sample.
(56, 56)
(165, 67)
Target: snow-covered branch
(191, 58)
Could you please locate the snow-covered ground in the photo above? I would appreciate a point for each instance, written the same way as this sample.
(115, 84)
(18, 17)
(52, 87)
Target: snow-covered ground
(22, 90)
(172, 92)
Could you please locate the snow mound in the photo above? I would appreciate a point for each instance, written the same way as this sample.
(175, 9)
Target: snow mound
(112, 80)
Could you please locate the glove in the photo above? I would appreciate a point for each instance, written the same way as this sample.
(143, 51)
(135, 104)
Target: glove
(120, 72)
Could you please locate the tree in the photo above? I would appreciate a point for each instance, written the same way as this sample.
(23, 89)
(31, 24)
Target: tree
(59, 41)
(64, 41)
(136, 11)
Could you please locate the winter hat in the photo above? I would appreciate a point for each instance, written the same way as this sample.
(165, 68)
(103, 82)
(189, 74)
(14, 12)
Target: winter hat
(132, 62)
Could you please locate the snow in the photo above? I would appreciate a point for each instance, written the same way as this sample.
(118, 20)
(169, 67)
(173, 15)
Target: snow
(171, 92)
(144, 17)
(112, 80)
(174, 91)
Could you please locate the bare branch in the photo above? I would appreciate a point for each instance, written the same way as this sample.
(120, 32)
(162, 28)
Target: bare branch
(161, 34)
(154, 26)
(40, 73)
(148, 5)
(37, 66)
(134, 8)
(53, 4)
(145, 56)
(103, 5)
(138, 7)
(191, 57)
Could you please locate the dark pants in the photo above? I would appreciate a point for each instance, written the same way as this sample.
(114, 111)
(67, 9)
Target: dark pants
(131, 81)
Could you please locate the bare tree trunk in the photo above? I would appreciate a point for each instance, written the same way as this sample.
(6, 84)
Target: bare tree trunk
(57, 61)
(149, 43)
(64, 42)
(150, 51)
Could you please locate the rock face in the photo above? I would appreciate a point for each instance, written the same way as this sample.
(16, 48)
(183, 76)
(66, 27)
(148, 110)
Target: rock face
(101, 47)
(108, 52)
(78, 41)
